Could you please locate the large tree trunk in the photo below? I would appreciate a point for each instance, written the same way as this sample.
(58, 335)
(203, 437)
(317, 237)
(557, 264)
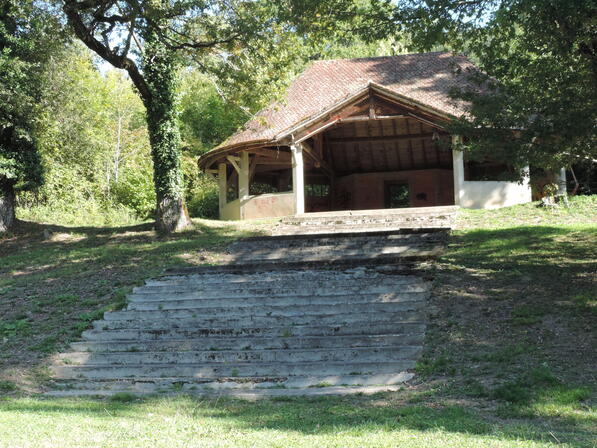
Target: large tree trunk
(7, 207)
(161, 75)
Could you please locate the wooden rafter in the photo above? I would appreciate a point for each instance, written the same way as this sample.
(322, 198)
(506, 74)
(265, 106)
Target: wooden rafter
(379, 139)
(319, 162)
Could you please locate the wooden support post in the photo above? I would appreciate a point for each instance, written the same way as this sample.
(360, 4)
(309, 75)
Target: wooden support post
(243, 181)
(458, 170)
(298, 178)
(222, 186)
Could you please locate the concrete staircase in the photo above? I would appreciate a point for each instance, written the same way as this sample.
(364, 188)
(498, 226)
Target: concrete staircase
(300, 314)
(369, 220)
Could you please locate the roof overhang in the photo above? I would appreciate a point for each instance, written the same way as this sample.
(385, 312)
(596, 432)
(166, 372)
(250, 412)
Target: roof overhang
(326, 118)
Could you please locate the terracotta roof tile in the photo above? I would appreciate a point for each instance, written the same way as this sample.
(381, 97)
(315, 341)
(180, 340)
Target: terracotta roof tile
(426, 78)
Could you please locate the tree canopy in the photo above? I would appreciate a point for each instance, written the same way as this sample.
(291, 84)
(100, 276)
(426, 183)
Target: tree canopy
(25, 46)
(538, 62)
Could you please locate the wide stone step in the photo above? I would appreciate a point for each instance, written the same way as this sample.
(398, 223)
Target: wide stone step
(291, 278)
(251, 343)
(336, 242)
(362, 354)
(290, 310)
(340, 229)
(191, 384)
(237, 370)
(366, 225)
(405, 215)
(363, 327)
(178, 293)
(331, 255)
(245, 394)
(290, 283)
(411, 314)
(264, 302)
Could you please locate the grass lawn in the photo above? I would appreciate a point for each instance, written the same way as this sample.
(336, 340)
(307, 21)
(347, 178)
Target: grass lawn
(509, 360)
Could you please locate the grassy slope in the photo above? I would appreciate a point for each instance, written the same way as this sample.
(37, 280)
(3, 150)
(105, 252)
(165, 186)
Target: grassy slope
(509, 359)
(54, 281)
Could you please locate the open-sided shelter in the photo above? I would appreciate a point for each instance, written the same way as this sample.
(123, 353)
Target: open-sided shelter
(359, 134)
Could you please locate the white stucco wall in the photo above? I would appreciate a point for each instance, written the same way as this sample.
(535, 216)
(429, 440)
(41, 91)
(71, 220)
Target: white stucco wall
(493, 194)
(269, 205)
(486, 194)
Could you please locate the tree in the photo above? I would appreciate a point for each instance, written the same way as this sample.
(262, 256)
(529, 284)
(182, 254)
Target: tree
(148, 39)
(92, 139)
(23, 51)
(538, 62)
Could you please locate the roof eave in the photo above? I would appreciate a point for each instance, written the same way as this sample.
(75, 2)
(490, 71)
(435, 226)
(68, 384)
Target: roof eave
(289, 132)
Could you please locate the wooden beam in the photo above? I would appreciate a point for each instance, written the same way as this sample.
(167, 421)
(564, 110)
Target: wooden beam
(410, 147)
(270, 167)
(384, 150)
(267, 161)
(379, 139)
(276, 155)
(318, 145)
(234, 162)
(252, 166)
(330, 121)
(328, 151)
(428, 122)
(319, 162)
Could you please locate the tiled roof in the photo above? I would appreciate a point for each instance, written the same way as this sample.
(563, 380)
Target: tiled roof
(425, 78)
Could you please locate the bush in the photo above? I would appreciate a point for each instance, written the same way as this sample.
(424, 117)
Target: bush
(202, 200)
(85, 213)
(135, 190)
(201, 190)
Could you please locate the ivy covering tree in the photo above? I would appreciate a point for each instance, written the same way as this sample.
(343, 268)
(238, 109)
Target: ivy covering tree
(538, 62)
(149, 38)
(24, 47)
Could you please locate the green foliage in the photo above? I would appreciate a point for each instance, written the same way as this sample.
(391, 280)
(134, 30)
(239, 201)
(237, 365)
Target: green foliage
(7, 386)
(16, 328)
(206, 117)
(202, 197)
(440, 365)
(539, 393)
(25, 46)
(527, 315)
(161, 74)
(21, 30)
(123, 397)
(134, 190)
(539, 63)
(88, 212)
(94, 147)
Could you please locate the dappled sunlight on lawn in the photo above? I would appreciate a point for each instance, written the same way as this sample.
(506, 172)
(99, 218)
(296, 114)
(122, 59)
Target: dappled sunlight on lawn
(381, 420)
(96, 266)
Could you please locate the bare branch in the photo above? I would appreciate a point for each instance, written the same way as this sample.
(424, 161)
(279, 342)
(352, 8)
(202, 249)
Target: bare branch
(73, 10)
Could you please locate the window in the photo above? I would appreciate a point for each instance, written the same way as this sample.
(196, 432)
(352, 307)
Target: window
(397, 195)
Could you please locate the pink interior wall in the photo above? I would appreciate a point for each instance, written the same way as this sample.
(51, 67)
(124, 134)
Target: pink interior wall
(367, 191)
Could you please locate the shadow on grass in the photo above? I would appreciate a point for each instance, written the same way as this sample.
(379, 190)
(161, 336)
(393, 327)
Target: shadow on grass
(52, 285)
(338, 416)
(486, 275)
(511, 302)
